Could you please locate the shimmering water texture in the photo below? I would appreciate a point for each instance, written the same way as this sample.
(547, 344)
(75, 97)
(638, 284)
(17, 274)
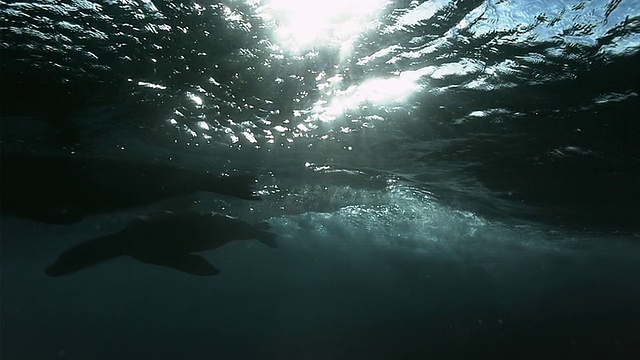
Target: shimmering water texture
(446, 179)
(532, 103)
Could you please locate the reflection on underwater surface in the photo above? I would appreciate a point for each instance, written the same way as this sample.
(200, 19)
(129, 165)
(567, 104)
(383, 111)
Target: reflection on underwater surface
(67, 189)
(447, 178)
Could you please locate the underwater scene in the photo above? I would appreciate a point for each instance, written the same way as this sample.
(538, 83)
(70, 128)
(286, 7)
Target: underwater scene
(352, 179)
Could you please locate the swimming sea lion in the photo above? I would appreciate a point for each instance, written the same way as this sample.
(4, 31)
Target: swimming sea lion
(169, 239)
(67, 189)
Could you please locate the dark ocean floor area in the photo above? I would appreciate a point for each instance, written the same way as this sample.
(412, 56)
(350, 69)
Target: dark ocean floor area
(321, 296)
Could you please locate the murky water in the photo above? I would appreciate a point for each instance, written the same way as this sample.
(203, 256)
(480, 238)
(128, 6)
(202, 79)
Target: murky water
(448, 179)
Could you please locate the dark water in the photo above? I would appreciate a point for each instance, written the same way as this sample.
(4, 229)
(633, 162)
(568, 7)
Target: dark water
(448, 179)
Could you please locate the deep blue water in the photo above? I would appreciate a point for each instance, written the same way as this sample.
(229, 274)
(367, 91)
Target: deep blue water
(448, 179)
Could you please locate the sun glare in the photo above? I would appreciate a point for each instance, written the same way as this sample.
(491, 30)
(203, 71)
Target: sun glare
(303, 24)
(378, 91)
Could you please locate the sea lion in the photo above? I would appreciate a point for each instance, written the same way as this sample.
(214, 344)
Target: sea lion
(168, 239)
(68, 189)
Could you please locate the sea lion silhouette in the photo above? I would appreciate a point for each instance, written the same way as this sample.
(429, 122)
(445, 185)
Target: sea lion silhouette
(168, 239)
(67, 189)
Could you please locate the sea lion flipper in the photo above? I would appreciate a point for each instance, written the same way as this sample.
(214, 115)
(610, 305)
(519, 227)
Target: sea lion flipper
(189, 263)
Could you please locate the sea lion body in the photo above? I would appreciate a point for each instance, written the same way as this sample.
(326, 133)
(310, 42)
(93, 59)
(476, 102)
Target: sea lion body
(169, 239)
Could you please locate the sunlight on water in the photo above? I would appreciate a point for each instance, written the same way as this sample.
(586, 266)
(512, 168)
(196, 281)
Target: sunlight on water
(304, 24)
(420, 14)
(197, 100)
(372, 91)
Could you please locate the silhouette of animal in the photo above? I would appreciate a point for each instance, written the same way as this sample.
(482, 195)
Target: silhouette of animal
(169, 239)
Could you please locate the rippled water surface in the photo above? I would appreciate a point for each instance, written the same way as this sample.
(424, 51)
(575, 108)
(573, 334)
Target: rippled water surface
(448, 179)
